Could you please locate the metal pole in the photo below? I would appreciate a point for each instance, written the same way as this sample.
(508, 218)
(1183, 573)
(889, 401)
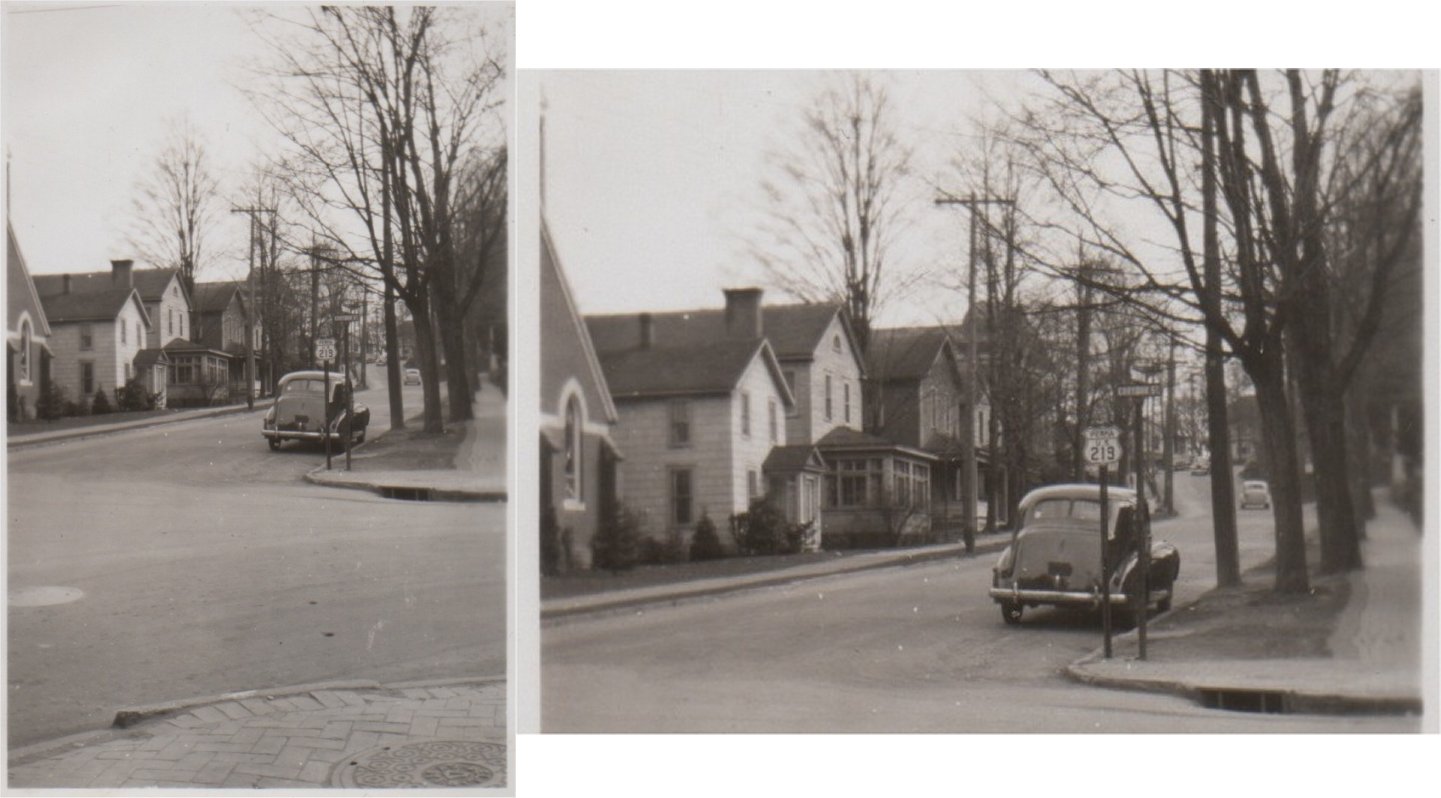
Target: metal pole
(1143, 519)
(1168, 446)
(349, 390)
(325, 431)
(1105, 561)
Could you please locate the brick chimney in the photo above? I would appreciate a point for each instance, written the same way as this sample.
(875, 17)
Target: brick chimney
(121, 273)
(64, 283)
(647, 331)
(743, 312)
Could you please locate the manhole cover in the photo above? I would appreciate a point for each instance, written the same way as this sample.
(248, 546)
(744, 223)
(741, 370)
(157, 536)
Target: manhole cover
(44, 596)
(435, 763)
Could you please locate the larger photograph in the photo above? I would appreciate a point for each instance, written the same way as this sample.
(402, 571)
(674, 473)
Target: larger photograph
(256, 479)
(986, 401)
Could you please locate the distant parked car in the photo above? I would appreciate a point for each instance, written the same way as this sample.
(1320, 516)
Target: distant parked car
(1201, 466)
(1055, 557)
(300, 410)
(412, 376)
(1255, 493)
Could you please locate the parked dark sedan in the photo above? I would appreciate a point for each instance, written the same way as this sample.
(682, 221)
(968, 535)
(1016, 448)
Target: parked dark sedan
(300, 410)
(1055, 556)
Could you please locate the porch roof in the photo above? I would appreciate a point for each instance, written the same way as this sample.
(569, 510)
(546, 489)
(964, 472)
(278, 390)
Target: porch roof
(796, 457)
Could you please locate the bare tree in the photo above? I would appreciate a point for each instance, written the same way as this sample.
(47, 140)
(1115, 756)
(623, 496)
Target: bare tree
(175, 205)
(835, 203)
(383, 106)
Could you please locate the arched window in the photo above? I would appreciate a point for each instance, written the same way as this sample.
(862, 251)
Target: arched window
(573, 449)
(25, 337)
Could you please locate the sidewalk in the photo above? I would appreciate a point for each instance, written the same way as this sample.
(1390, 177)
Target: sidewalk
(1366, 659)
(477, 472)
(354, 735)
(34, 438)
(673, 593)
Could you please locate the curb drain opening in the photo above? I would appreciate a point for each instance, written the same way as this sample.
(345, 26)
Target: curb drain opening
(1270, 702)
(406, 494)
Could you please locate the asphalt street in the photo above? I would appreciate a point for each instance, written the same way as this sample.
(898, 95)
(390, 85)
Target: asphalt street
(913, 649)
(189, 560)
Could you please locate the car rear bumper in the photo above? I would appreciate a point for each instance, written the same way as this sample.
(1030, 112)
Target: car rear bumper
(1013, 595)
(298, 435)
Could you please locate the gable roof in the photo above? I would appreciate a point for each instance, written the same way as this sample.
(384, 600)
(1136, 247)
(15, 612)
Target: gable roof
(842, 439)
(215, 297)
(794, 457)
(709, 368)
(794, 331)
(907, 353)
(150, 284)
(20, 291)
(91, 306)
(550, 257)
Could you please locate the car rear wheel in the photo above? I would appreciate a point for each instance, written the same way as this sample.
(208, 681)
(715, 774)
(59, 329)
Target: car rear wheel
(1011, 613)
(274, 444)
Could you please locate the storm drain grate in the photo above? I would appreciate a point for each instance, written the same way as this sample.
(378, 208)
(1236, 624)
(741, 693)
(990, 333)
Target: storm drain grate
(406, 494)
(429, 764)
(1271, 702)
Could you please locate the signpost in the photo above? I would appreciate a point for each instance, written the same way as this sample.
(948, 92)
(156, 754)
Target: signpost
(1140, 392)
(325, 350)
(1103, 448)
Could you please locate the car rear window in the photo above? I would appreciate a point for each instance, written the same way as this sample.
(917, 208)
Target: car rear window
(1052, 509)
(297, 387)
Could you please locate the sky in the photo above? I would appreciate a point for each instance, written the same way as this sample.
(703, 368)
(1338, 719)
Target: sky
(653, 179)
(90, 92)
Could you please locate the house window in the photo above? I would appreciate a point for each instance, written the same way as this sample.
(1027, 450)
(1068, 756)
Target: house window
(847, 391)
(745, 414)
(87, 377)
(771, 417)
(752, 486)
(921, 484)
(128, 366)
(856, 483)
(828, 398)
(24, 359)
(835, 343)
(87, 337)
(573, 449)
(170, 321)
(679, 424)
(681, 497)
(790, 378)
(903, 483)
(122, 331)
(139, 334)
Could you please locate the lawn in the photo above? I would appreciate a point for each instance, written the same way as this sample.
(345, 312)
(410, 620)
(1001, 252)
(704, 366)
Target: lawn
(76, 422)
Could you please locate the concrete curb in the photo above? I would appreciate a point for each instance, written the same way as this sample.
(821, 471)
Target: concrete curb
(1313, 702)
(682, 595)
(315, 477)
(40, 438)
(131, 716)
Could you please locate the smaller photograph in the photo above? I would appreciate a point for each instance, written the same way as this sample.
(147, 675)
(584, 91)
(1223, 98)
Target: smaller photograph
(256, 434)
(981, 401)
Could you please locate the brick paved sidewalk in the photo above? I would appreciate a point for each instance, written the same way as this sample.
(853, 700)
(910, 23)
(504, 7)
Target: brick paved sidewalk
(436, 735)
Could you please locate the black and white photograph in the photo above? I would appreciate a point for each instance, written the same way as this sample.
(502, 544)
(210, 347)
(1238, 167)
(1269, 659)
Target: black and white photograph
(982, 401)
(257, 269)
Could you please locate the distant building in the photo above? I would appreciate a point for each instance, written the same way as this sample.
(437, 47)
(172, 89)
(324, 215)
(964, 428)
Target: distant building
(27, 333)
(578, 462)
(98, 329)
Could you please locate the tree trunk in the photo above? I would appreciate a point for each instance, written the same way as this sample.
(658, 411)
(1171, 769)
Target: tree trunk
(1223, 486)
(1358, 446)
(1326, 430)
(452, 343)
(1277, 431)
(429, 373)
(392, 361)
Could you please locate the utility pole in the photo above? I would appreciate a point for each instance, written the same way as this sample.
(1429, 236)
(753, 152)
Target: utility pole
(968, 439)
(1168, 454)
(250, 308)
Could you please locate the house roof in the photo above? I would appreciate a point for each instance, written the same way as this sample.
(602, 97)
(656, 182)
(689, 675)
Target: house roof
(215, 297)
(845, 438)
(582, 329)
(150, 357)
(714, 367)
(905, 353)
(796, 457)
(21, 293)
(89, 306)
(150, 284)
(794, 331)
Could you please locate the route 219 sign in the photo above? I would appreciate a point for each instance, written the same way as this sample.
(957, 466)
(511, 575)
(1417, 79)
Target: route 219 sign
(325, 348)
(1103, 445)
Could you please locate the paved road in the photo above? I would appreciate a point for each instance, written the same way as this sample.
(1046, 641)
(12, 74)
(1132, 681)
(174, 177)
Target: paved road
(916, 649)
(205, 565)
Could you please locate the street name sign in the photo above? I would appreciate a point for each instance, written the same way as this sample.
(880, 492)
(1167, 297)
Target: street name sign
(346, 317)
(1103, 445)
(325, 348)
(1143, 389)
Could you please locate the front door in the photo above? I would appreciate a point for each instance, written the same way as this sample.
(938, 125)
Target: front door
(811, 507)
